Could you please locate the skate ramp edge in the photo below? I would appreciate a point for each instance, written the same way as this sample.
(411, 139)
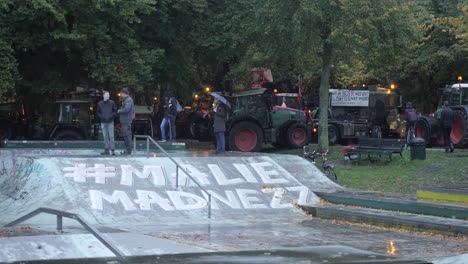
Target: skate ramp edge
(127, 191)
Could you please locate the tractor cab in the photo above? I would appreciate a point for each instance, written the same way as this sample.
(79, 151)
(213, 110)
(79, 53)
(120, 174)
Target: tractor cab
(74, 120)
(456, 94)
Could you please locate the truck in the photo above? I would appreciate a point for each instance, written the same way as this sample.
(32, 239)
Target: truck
(254, 120)
(428, 127)
(356, 113)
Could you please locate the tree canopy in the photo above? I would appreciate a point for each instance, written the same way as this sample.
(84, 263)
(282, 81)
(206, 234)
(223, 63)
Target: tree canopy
(48, 46)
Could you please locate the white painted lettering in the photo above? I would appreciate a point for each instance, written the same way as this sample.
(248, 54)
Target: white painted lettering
(221, 177)
(146, 198)
(158, 175)
(304, 194)
(276, 201)
(117, 196)
(267, 175)
(200, 177)
(248, 200)
(190, 201)
(99, 172)
(245, 172)
(230, 201)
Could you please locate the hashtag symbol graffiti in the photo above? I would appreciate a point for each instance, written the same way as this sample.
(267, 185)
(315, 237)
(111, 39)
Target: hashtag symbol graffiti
(80, 173)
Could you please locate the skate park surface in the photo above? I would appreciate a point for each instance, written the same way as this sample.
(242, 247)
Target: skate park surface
(257, 211)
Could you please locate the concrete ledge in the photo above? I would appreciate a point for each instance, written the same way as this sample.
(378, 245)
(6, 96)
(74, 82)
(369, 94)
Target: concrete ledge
(87, 144)
(443, 194)
(448, 211)
(409, 222)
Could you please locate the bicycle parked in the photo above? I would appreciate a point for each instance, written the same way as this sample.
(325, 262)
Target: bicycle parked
(327, 167)
(410, 135)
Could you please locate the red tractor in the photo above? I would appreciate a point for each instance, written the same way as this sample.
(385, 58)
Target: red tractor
(428, 127)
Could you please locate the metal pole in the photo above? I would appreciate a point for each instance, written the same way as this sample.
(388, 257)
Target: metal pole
(177, 176)
(147, 147)
(59, 223)
(209, 205)
(134, 143)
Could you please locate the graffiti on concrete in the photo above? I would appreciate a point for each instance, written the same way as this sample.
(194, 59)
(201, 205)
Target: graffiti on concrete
(16, 177)
(246, 185)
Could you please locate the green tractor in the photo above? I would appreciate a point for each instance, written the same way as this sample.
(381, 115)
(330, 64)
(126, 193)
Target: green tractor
(254, 120)
(428, 127)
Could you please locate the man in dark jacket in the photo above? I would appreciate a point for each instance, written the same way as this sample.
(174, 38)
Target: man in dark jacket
(127, 114)
(219, 125)
(170, 113)
(446, 121)
(106, 110)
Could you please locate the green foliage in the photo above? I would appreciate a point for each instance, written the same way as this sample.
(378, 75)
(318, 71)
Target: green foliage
(440, 54)
(8, 69)
(49, 46)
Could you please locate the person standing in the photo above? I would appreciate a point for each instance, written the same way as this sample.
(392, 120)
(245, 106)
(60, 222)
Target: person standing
(126, 114)
(219, 125)
(106, 111)
(170, 112)
(411, 117)
(446, 121)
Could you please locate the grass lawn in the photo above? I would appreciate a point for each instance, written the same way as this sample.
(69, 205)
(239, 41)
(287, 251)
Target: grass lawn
(404, 176)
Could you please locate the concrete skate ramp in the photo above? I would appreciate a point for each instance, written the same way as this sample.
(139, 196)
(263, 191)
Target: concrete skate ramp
(129, 191)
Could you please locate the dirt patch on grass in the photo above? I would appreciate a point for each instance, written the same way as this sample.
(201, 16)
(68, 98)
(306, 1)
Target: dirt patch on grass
(431, 168)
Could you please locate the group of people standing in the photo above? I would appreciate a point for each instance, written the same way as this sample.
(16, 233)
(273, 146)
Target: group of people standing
(107, 111)
(445, 119)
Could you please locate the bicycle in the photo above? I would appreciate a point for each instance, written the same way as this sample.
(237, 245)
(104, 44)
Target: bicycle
(327, 167)
(410, 135)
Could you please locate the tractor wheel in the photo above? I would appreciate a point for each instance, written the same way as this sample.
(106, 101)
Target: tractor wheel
(68, 135)
(423, 130)
(459, 135)
(246, 137)
(333, 135)
(297, 136)
(199, 129)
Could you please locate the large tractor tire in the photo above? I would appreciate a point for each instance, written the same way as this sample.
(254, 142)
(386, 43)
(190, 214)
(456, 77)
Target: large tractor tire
(68, 135)
(333, 135)
(423, 130)
(297, 136)
(246, 137)
(199, 129)
(459, 135)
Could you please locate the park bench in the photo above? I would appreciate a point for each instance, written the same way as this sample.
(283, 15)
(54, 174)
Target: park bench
(377, 147)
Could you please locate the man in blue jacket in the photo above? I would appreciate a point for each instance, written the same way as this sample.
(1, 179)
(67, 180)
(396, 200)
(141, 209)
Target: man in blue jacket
(127, 114)
(106, 110)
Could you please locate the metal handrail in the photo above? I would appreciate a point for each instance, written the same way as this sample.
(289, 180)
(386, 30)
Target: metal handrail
(148, 139)
(60, 215)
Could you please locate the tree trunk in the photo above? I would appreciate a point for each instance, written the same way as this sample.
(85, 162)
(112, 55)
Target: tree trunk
(324, 94)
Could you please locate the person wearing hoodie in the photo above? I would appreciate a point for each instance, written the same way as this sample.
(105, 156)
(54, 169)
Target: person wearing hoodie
(126, 114)
(411, 117)
(170, 113)
(106, 111)
(446, 120)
